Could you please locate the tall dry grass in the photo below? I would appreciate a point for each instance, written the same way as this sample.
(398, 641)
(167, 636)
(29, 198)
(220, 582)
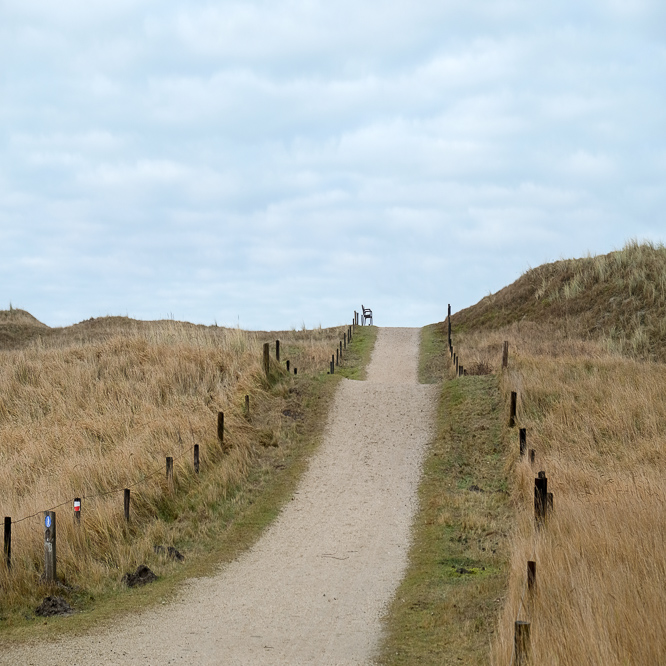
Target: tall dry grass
(96, 408)
(597, 421)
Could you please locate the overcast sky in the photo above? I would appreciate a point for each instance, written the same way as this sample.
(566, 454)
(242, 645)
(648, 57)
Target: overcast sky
(271, 163)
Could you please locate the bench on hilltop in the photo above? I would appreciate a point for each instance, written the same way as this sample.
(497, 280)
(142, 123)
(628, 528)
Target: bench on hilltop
(367, 314)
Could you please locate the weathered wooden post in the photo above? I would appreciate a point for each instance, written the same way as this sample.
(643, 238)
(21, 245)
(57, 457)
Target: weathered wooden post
(77, 510)
(540, 498)
(523, 441)
(532, 456)
(288, 366)
(460, 371)
(49, 546)
(126, 504)
(295, 370)
(531, 576)
(522, 644)
(337, 357)
(512, 414)
(267, 359)
(449, 320)
(247, 406)
(341, 350)
(220, 428)
(505, 355)
(169, 473)
(344, 340)
(8, 541)
(332, 364)
(549, 503)
(196, 458)
(277, 351)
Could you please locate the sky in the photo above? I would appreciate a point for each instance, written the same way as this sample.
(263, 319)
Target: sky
(273, 164)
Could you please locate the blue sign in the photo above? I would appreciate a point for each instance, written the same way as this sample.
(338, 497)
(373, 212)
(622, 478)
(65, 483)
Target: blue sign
(47, 521)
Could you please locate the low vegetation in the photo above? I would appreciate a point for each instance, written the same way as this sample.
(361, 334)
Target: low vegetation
(586, 350)
(95, 408)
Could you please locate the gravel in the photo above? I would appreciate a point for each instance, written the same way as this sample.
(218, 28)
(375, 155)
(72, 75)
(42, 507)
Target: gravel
(314, 588)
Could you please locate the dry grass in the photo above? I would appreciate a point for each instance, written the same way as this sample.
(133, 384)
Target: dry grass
(618, 299)
(97, 407)
(595, 412)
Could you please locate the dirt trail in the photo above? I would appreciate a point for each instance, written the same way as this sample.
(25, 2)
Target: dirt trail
(314, 587)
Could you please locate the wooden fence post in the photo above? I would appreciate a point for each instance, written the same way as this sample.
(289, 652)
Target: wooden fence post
(523, 441)
(295, 370)
(8, 541)
(277, 351)
(532, 456)
(522, 643)
(288, 365)
(49, 546)
(332, 364)
(126, 504)
(220, 428)
(460, 371)
(267, 352)
(505, 355)
(531, 576)
(77, 510)
(512, 414)
(169, 473)
(449, 321)
(341, 350)
(344, 340)
(247, 406)
(540, 498)
(337, 357)
(196, 458)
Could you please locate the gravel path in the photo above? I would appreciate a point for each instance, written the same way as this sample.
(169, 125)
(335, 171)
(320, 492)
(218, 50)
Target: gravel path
(314, 587)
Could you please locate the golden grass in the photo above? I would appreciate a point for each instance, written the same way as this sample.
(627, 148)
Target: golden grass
(97, 407)
(596, 419)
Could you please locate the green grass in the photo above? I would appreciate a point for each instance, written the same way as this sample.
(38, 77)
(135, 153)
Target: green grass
(446, 607)
(434, 354)
(357, 355)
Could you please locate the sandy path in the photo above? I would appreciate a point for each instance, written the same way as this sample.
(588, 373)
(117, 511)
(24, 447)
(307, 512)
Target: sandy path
(313, 588)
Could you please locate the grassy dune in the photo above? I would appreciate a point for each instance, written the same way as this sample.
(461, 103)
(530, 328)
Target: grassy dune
(587, 349)
(593, 400)
(92, 409)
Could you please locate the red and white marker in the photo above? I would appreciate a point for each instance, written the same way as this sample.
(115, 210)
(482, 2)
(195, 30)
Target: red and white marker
(77, 505)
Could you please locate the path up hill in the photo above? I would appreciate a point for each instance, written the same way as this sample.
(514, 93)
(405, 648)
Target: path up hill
(619, 297)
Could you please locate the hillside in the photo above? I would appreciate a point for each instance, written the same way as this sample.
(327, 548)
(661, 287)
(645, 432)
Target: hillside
(618, 299)
(587, 342)
(17, 327)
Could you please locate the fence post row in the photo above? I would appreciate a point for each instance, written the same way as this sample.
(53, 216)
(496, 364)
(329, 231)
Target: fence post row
(531, 576)
(522, 643)
(126, 504)
(8, 541)
(540, 498)
(169, 473)
(266, 358)
(523, 441)
(220, 427)
(512, 415)
(49, 546)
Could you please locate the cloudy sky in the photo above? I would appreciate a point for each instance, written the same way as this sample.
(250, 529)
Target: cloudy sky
(273, 163)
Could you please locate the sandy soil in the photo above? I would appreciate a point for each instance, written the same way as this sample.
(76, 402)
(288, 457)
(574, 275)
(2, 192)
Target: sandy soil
(314, 587)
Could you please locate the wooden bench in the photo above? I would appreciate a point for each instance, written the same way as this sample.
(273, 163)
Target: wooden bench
(367, 314)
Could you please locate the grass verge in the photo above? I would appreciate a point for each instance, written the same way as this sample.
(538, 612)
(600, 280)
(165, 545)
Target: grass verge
(434, 354)
(446, 607)
(357, 355)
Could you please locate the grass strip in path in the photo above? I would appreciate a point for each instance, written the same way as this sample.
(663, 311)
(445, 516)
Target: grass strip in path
(446, 608)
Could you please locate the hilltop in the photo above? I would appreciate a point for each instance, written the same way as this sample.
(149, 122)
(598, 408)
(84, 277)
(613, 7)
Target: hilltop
(618, 299)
